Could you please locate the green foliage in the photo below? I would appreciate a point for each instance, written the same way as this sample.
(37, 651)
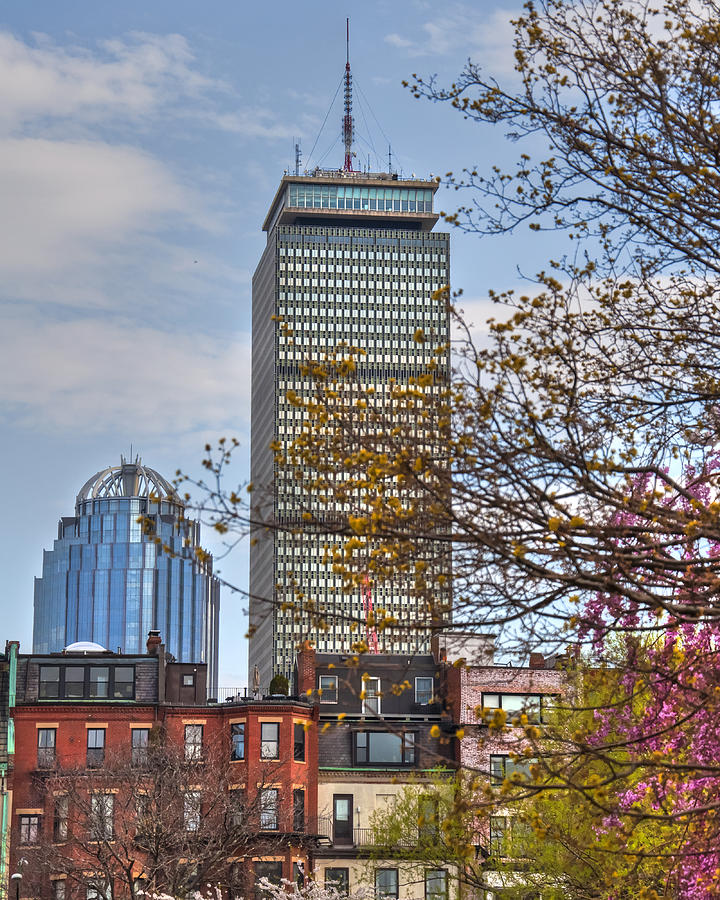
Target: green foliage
(279, 684)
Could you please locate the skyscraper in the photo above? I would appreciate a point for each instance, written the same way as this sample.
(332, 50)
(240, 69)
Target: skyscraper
(107, 581)
(350, 257)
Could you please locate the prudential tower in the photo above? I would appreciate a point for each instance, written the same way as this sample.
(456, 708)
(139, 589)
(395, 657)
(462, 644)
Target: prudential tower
(350, 256)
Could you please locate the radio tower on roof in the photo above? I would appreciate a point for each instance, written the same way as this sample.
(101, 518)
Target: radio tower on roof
(347, 118)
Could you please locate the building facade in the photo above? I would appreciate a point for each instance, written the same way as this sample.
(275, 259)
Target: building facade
(8, 677)
(111, 578)
(85, 773)
(351, 259)
(384, 724)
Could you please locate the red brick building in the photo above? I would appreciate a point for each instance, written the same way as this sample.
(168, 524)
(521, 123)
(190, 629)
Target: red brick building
(83, 714)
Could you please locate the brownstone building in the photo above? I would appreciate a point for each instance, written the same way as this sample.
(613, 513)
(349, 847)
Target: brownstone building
(98, 734)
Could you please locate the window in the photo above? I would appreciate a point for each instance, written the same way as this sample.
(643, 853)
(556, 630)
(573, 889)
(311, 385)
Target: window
(328, 688)
(60, 819)
(338, 878)
(188, 679)
(298, 874)
(123, 682)
(299, 810)
(139, 739)
(270, 870)
(299, 742)
(237, 808)
(29, 829)
(99, 682)
(191, 810)
(45, 748)
(74, 682)
(97, 891)
(372, 747)
(58, 889)
(95, 747)
(386, 883)
(269, 809)
(237, 740)
(436, 884)
(193, 742)
(102, 809)
(498, 829)
(370, 696)
(49, 688)
(428, 818)
(269, 740)
(142, 809)
(514, 705)
(502, 767)
(423, 690)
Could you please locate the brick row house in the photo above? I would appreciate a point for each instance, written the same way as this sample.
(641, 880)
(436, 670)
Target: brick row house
(124, 770)
(127, 778)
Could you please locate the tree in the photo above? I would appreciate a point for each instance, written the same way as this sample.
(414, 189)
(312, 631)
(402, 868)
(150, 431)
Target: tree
(580, 483)
(279, 684)
(154, 822)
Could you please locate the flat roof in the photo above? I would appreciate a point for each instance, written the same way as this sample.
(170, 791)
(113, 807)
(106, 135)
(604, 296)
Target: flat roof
(360, 179)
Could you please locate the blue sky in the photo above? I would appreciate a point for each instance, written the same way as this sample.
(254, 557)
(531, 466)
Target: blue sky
(140, 146)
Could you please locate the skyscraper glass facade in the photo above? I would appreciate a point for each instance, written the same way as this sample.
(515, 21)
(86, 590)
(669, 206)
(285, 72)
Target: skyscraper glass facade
(107, 581)
(350, 258)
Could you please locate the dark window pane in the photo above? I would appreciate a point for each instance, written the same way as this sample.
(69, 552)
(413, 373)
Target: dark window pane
(140, 739)
(237, 740)
(299, 742)
(75, 682)
(299, 810)
(124, 682)
(46, 748)
(338, 878)
(269, 809)
(99, 681)
(49, 682)
(386, 882)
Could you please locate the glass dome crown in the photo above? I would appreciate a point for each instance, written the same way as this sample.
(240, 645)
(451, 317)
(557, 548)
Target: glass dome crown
(129, 479)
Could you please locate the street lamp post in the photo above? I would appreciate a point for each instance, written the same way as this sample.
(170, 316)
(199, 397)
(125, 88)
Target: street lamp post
(17, 876)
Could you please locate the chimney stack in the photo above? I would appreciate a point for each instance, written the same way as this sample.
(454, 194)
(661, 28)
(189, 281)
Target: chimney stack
(154, 641)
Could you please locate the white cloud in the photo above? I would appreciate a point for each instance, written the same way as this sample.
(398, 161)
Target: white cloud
(64, 200)
(463, 30)
(102, 374)
(134, 77)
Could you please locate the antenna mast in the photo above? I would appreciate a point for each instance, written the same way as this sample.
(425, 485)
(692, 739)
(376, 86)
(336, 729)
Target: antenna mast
(347, 118)
(298, 157)
(371, 635)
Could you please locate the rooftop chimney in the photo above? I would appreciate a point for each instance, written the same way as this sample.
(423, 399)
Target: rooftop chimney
(153, 643)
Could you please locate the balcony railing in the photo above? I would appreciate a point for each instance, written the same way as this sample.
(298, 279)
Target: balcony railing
(360, 837)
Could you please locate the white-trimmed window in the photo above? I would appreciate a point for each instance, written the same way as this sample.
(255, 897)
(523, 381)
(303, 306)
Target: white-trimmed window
(328, 688)
(371, 697)
(424, 690)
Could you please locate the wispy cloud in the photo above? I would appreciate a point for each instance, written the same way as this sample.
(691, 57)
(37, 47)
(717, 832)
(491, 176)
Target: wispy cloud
(95, 374)
(463, 30)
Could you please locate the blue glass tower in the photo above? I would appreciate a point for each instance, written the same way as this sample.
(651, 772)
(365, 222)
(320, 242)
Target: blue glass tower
(107, 581)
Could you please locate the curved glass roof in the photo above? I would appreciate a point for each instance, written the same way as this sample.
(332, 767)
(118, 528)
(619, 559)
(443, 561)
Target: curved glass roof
(85, 647)
(129, 479)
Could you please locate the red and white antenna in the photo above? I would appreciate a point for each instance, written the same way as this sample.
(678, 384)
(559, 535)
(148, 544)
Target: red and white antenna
(371, 635)
(347, 118)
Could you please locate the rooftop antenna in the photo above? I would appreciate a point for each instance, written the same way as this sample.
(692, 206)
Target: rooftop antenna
(389, 159)
(298, 157)
(347, 118)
